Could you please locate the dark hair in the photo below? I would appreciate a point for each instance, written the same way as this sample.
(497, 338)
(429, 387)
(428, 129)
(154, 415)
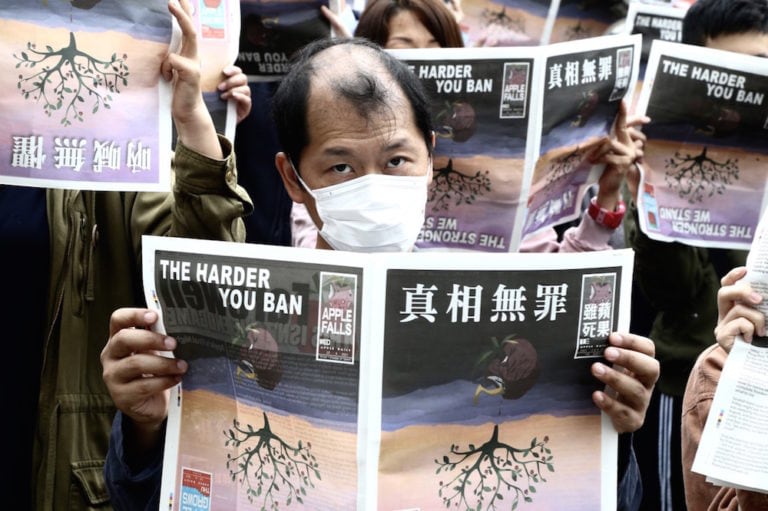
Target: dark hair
(363, 90)
(708, 19)
(433, 14)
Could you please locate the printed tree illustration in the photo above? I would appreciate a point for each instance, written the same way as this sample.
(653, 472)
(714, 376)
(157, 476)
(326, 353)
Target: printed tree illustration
(70, 80)
(577, 31)
(487, 472)
(694, 177)
(271, 465)
(450, 185)
(501, 17)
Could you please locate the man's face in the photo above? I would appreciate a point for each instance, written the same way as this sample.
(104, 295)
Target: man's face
(344, 145)
(749, 43)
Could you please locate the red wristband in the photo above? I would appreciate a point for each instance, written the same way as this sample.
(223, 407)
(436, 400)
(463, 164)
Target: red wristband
(610, 219)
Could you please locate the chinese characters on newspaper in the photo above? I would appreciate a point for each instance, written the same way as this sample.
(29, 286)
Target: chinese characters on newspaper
(83, 99)
(348, 381)
(515, 128)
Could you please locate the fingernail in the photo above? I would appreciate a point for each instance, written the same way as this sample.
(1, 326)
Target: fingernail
(150, 316)
(611, 354)
(616, 339)
(755, 297)
(599, 369)
(181, 365)
(169, 343)
(599, 397)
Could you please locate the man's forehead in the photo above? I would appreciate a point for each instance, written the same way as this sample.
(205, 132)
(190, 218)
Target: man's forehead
(341, 63)
(343, 77)
(328, 112)
(344, 56)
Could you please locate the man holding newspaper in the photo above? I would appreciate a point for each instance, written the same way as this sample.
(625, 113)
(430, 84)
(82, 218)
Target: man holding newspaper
(357, 138)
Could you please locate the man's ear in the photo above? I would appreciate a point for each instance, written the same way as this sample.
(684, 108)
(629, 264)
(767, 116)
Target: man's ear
(290, 181)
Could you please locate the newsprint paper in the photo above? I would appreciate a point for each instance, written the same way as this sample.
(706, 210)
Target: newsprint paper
(326, 380)
(703, 171)
(515, 128)
(733, 450)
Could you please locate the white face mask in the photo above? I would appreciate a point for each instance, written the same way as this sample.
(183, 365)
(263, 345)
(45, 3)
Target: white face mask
(372, 213)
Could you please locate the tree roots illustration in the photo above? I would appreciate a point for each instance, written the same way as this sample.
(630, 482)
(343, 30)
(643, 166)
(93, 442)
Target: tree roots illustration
(271, 466)
(490, 470)
(696, 177)
(449, 185)
(577, 31)
(70, 80)
(503, 18)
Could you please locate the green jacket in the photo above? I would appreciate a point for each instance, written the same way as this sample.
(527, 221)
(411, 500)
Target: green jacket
(95, 269)
(680, 283)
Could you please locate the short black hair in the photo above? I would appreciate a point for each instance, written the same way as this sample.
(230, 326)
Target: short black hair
(708, 19)
(289, 103)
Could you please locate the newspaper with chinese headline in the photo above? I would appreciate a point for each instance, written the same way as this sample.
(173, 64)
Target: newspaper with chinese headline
(82, 100)
(582, 86)
(703, 172)
(734, 448)
(329, 380)
(515, 127)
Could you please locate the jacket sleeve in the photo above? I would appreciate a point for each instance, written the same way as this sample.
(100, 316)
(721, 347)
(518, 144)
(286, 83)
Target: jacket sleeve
(588, 236)
(130, 490)
(206, 203)
(699, 494)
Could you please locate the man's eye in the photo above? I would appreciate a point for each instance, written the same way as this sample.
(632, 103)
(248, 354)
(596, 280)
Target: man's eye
(395, 162)
(342, 168)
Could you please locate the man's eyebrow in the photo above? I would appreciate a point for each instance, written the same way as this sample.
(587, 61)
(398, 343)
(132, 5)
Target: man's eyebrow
(393, 145)
(336, 151)
(399, 143)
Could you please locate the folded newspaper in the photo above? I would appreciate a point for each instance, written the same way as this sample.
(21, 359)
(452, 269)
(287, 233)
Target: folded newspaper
(516, 128)
(328, 380)
(703, 170)
(733, 450)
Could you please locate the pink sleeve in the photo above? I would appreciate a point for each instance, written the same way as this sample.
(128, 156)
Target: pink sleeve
(697, 401)
(588, 236)
(303, 229)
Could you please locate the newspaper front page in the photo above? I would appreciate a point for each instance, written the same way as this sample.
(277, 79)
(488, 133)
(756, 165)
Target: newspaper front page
(480, 100)
(582, 84)
(328, 380)
(515, 127)
(82, 100)
(703, 172)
